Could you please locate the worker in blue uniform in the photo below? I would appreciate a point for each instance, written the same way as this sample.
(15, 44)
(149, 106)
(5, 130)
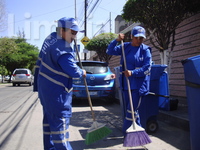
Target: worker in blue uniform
(54, 71)
(138, 60)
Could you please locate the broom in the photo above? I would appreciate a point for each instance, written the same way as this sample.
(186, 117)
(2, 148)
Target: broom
(135, 135)
(98, 130)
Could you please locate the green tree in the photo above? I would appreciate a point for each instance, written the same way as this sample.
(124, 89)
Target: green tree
(160, 18)
(99, 44)
(25, 58)
(17, 53)
(8, 47)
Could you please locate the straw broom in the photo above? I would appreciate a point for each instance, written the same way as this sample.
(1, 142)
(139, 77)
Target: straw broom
(98, 130)
(135, 135)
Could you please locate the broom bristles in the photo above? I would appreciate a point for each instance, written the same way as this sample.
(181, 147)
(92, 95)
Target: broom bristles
(96, 134)
(136, 136)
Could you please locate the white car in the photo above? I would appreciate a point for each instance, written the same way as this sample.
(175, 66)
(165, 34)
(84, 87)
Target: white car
(22, 76)
(7, 78)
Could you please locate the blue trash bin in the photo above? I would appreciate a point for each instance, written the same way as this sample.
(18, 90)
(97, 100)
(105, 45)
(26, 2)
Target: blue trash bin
(192, 81)
(164, 102)
(149, 106)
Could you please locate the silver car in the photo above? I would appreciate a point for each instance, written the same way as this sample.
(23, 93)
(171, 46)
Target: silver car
(22, 76)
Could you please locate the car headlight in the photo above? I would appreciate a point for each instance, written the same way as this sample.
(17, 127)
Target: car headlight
(110, 77)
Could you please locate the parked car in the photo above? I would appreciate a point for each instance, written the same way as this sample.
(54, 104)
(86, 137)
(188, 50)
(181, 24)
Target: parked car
(100, 82)
(0, 78)
(8, 78)
(22, 76)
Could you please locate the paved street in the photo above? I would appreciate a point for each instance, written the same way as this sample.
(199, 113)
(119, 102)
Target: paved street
(21, 124)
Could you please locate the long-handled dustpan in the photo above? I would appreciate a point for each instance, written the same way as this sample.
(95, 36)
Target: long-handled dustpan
(98, 130)
(135, 135)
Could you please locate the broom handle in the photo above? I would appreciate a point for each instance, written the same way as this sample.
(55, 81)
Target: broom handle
(85, 82)
(128, 84)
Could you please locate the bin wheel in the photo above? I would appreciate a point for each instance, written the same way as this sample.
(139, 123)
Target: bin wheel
(152, 126)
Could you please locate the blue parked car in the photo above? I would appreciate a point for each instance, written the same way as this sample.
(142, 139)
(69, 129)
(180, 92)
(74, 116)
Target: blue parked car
(100, 82)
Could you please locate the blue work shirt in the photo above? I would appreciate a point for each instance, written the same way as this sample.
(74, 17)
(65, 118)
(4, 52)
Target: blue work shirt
(54, 71)
(138, 60)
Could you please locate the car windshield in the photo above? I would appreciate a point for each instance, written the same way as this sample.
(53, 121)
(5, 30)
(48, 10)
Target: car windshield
(94, 68)
(20, 72)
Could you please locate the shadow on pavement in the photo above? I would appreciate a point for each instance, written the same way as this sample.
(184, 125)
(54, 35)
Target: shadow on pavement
(173, 136)
(84, 119)
(166, 133)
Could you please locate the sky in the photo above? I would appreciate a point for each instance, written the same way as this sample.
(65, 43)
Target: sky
(37, 18)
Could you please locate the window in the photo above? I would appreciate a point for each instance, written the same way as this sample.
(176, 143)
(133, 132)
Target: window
(21, 72)
(95, 68)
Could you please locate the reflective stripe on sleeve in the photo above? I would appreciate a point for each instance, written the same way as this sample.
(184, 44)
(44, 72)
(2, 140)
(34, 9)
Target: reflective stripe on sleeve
(53, 70)
(56, 82)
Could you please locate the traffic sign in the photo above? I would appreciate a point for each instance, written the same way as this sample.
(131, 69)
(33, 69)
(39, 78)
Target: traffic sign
(85, 40)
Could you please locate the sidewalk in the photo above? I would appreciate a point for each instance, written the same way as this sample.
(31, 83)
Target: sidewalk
(177, 118)
(22, 129)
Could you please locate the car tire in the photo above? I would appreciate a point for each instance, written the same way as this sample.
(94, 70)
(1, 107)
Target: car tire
(14, 84)
(18, 84)
(30, 83)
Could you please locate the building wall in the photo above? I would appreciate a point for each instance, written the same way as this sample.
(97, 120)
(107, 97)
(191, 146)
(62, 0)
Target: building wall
(187, 45)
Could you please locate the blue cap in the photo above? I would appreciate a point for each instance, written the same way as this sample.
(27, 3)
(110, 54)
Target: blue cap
(138, 31)
(69, 23)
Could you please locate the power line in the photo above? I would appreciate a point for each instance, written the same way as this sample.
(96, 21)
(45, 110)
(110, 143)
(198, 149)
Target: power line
(45, 13)
(92, 8)
(103, 25)
(95, 5)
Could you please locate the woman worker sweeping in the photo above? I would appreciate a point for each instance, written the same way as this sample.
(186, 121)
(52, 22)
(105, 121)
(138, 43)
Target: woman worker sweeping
(138, 59)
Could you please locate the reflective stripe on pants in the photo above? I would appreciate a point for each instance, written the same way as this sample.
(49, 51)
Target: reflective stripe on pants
(128, 115)
(55, 133)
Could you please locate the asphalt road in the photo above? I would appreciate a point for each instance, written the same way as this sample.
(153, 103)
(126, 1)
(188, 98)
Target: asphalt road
(21, 124)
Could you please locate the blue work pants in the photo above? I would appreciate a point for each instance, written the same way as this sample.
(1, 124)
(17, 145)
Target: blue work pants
(136, 99)
(55, 133)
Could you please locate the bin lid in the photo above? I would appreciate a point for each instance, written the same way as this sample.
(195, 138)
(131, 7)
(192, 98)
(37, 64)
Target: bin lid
(192, 69)
(156, 71)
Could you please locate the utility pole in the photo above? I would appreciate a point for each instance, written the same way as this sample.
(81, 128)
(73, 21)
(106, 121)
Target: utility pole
(110, 23)
(75, 9)
(85, 54)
